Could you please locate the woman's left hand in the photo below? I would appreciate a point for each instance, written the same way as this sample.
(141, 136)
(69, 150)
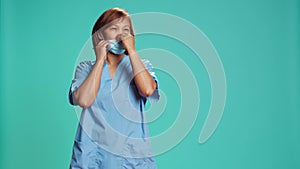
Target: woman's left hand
(128, 42)
(142, 78)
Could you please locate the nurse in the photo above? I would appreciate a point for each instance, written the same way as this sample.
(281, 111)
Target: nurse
(112, 91)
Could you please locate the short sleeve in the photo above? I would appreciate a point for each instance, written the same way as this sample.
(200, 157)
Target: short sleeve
(82, 71)
(155, 95)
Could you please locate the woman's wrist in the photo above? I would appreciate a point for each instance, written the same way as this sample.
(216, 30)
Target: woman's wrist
(100, 61)
(131, 52)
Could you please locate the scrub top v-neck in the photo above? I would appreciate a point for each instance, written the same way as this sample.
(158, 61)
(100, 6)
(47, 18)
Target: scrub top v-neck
(112, 132)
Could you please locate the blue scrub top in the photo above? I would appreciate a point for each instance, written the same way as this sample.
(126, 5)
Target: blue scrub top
(113, 132)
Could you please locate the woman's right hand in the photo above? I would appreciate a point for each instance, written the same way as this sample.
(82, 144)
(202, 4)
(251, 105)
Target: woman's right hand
(101, 48)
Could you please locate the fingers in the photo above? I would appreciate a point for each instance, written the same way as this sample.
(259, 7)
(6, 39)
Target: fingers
(103, 43)
(123, 36)
(126, 36)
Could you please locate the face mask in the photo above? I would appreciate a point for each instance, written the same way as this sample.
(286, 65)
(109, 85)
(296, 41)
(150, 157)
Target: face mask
(116, 47)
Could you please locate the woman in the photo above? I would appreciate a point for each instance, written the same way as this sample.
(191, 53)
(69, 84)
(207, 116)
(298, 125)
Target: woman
(112, 91)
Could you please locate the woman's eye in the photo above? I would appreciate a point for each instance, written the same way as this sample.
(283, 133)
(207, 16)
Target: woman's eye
(113, 29)
(127, 30)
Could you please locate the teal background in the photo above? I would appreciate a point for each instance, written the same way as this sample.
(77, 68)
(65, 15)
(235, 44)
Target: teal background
(257, 41)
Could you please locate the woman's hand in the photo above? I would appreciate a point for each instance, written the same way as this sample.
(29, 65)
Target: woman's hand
(101, 48)
(128, 42)
(143, 79)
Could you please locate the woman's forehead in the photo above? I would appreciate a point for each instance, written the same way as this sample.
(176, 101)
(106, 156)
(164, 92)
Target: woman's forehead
(121, 22)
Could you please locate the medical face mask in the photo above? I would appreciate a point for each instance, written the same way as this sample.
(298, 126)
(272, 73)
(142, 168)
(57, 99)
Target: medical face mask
(116, 47)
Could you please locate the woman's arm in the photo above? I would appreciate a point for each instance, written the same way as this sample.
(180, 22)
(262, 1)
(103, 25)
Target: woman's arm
(142, 78)
(86, 93)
